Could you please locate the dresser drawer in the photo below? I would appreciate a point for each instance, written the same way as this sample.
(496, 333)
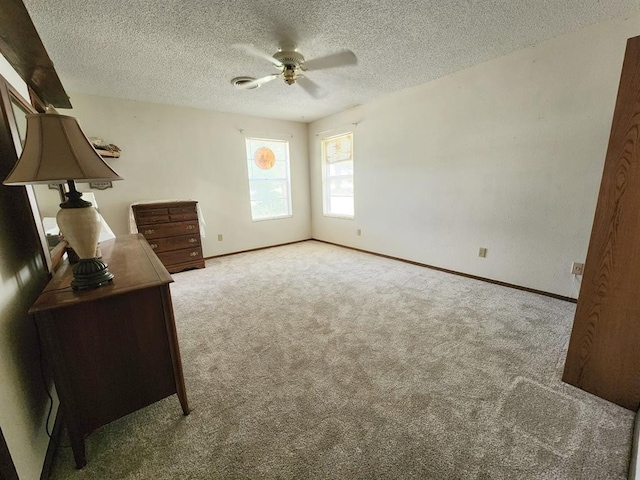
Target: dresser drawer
(183, 209)
(170, 230)
(181, 256)
(174, 243)
(179, 217)
(146, 216)
(149, 212)
(152, 220)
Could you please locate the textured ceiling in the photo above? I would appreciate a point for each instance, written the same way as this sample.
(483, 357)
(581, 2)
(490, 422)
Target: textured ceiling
(179, 51)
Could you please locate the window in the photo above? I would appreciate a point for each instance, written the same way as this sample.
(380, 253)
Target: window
(337, 164)
(269, 184)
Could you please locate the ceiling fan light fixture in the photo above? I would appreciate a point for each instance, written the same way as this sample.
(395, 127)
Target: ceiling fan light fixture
(289, 74)
(292, 67)
(239, 81)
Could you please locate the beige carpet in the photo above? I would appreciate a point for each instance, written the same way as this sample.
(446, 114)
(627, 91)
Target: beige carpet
(314, 361)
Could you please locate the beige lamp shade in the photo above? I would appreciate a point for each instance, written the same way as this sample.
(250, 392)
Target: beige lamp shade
(56, 150)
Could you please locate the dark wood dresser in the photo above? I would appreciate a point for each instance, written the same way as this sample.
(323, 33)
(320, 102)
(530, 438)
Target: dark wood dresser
(113, 349)
(173, 231)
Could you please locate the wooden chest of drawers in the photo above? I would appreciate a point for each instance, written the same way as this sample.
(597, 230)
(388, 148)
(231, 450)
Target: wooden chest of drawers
(113, 349)
(173, 232)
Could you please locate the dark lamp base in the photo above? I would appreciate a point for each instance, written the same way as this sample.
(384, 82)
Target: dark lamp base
(90, 273)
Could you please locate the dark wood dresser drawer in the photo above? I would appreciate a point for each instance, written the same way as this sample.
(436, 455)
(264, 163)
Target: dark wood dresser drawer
(183, 209)
(173, 232)
(180, 256)
(151, 216)
(154, 220)
(149, 212)
(174, 243)
(170, 229)
(179, 217)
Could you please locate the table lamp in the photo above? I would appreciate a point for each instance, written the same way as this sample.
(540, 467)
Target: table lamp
(56, 150)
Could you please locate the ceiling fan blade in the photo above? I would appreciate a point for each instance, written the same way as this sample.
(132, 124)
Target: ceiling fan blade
(339, 59)
(254, 52)
(257, 82)
(312, 88)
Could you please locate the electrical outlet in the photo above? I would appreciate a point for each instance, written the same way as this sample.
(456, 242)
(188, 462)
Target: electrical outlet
(219, 237)
(359, 232)
(577, 268)
(482, 252)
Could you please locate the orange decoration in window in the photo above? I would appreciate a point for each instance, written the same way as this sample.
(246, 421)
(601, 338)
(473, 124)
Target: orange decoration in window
(264, 158)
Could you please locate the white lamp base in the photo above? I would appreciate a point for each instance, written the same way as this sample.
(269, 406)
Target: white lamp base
(80, 226)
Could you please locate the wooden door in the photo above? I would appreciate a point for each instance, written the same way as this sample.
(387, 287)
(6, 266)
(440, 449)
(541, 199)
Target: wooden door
(604, 350)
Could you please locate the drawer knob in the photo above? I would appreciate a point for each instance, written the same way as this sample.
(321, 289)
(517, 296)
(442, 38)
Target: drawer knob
(153, 245)
(193, 254)
(149, 232)
(190, 227)
(193, 240)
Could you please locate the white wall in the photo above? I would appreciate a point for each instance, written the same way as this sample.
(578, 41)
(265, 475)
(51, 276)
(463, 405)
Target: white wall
(23, 403)
(175, 152)
(506, 155)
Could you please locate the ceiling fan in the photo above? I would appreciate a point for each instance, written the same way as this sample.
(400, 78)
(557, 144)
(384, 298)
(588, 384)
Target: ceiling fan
(292, 67)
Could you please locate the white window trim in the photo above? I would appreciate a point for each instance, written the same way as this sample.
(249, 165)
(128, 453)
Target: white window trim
(323, 163)
(279, 217)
